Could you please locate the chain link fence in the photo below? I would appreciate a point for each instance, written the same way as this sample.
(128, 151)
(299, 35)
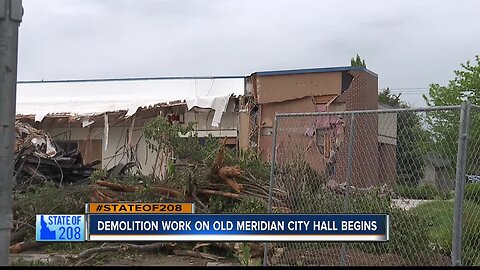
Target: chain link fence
(470, 233)
(403, 162)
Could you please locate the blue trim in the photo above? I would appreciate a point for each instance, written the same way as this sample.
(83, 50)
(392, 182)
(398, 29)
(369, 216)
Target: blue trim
(135, 79)
(261, 73)
(314, 70)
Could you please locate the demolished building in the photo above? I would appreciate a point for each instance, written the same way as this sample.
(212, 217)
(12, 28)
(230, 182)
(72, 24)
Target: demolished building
(104, 119)
(321, 90)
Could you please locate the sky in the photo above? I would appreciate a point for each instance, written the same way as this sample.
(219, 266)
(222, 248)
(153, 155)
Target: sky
(408, 43)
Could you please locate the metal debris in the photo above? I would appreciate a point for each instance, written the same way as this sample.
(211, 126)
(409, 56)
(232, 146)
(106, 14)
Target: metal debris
(38, 158)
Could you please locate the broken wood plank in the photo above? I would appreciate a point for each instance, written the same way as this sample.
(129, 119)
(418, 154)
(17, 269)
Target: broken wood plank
(233, 185)
(23, 246)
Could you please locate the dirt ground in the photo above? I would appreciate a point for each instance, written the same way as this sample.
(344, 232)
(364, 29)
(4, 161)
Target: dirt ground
(354, 257)
(112, 259)
(159, 260)
(296, 256)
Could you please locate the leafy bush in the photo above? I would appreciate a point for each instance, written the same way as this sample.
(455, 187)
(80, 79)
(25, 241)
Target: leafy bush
(408, 232)
(250, 161)
(44, 199)
(425, 192)
(220, 205)
(251, 205)
(161, 135)
(98, 175)
(408, 235)
(299, 179)
(471, 234)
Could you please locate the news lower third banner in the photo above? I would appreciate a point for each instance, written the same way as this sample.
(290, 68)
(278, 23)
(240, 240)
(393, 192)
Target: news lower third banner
(139, 208)
(238, 227)
(213, 227)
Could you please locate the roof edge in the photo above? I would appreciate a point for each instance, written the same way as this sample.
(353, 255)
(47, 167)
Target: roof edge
(134, 79)
(314, 70)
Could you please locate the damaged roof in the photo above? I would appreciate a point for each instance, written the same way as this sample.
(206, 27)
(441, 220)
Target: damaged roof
(313, 70)
(92, 97)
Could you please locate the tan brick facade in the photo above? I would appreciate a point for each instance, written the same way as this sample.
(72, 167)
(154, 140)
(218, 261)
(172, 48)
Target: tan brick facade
(358, 90)
(361, 95)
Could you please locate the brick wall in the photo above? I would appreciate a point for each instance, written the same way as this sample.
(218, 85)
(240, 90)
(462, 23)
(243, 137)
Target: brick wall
(361, 95)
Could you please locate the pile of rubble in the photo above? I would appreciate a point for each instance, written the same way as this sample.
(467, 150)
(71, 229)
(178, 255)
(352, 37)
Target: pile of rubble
(38, 158)
(212, 187)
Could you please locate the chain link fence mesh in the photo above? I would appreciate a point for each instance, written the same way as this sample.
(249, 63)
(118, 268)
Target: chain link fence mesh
(400, 162)
(471, 204)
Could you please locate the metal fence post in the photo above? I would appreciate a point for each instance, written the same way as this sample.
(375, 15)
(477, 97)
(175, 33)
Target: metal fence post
(460, 183)
(270, 189)
(343, 255)
(11, 13)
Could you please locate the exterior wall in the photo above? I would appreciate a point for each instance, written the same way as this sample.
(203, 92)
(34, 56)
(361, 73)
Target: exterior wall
(278, 88)
(361, 95)
(243, 125)
(268, 117)
(437, 176)
(387, 127)
(387, 160)
(248, 86)
(429, 174)
(118, 137)
(289, 93)
(292, 143)
(293, 93)
(443, 181)
(387, 145)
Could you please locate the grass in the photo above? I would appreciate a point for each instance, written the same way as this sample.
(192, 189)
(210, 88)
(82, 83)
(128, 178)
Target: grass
(424, 192)
(472, 192)
(439, 215)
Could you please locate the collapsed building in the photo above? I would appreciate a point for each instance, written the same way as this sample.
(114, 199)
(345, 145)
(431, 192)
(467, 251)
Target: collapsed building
(104, 119)
(322, 90)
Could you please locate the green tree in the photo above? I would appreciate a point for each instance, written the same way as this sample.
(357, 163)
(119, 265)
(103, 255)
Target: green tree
(410, 139)
(445, 124)
(169, 140)
(388, 98)
(357, 62)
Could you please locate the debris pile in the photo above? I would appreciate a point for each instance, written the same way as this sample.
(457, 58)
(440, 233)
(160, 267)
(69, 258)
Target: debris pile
(209, 175)
(203, 184)
(38, 158)
(221, 184)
